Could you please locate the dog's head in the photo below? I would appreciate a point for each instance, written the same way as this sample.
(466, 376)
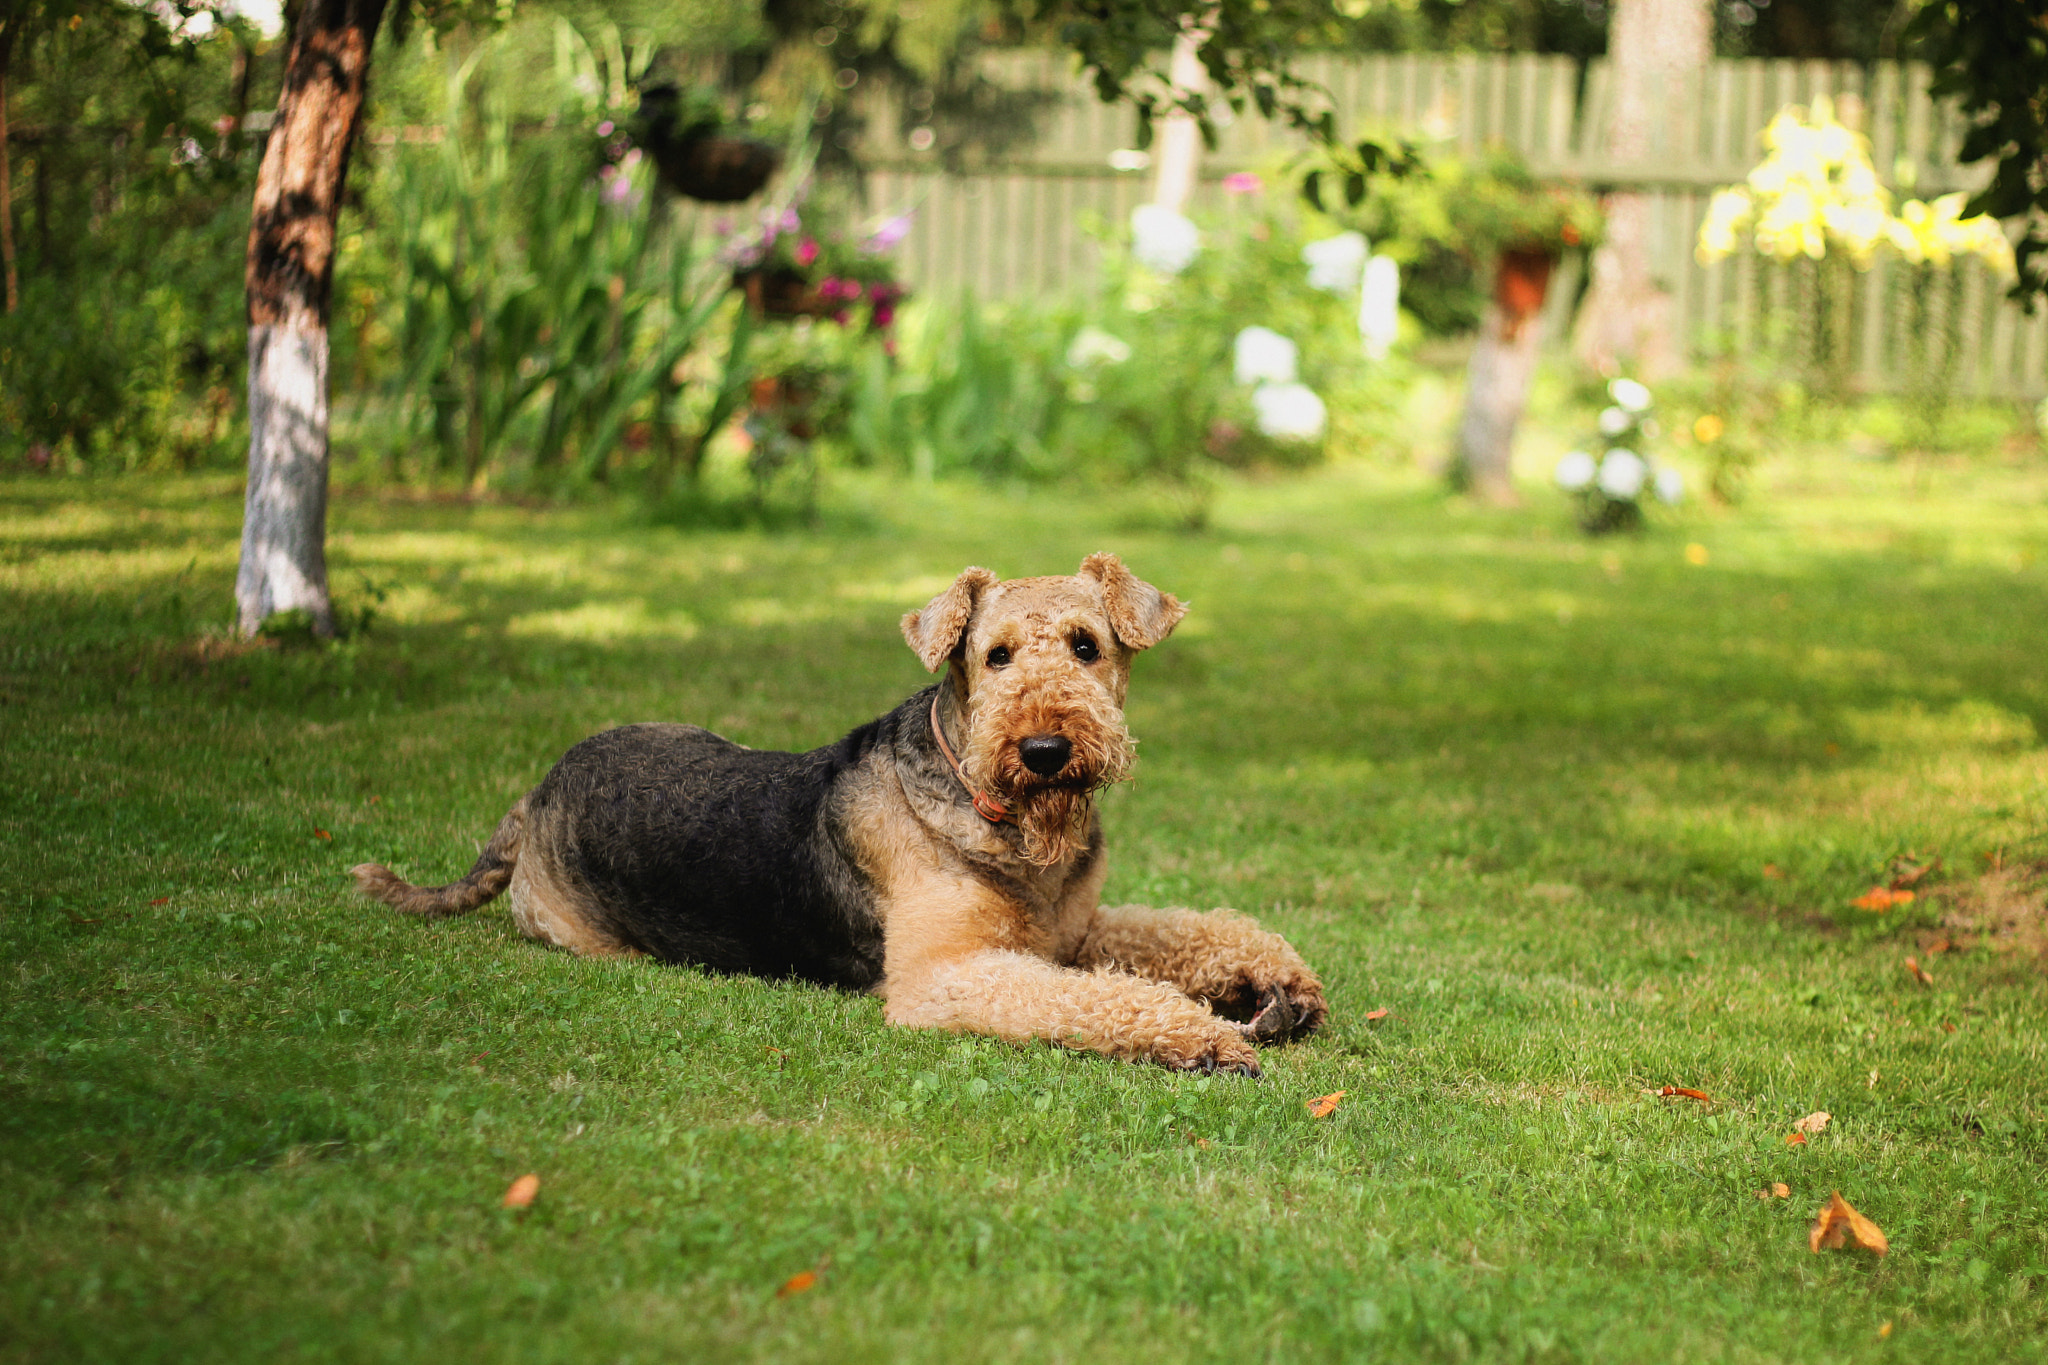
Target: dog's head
(1041, 666)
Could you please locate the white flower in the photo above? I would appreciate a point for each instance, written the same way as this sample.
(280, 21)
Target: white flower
(1670, 485)
(1379, 307)
(1262, 355)
(1614, 421)
(1129, 159)
(1629, 394)
(1335, 263)
(1163, 240)
(1092, 347)
(1575, 471)
(1289, 412)
(1621, 474)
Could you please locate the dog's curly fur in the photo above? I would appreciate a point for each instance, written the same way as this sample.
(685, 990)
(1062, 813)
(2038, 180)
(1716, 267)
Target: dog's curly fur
(866, 865)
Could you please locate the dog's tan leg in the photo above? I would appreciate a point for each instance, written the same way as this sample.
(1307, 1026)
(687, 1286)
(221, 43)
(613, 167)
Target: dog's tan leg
(961, 956)
(1019, 996)
(1220, 957)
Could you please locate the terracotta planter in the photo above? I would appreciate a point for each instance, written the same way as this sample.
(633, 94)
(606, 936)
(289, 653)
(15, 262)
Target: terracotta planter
(1521, 284)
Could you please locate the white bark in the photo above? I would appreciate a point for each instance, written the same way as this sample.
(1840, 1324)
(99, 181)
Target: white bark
(284, 520)
(1496, 390)
(1659, 49)
(1177, 158)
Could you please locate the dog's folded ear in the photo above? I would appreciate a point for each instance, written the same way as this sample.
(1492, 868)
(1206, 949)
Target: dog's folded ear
(1139, 613)
(935, 632)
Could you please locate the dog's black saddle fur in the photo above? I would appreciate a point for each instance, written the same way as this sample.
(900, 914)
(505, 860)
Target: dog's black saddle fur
(697, 849)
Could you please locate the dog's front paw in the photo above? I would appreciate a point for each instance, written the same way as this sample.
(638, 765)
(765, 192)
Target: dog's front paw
(1288, 1011)
(1225, 1050)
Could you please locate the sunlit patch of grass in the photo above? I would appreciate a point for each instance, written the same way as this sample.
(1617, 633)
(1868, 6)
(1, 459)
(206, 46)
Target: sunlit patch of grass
(1585, 819)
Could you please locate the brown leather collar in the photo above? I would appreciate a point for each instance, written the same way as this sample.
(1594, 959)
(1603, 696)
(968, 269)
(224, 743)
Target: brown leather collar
(986, 806)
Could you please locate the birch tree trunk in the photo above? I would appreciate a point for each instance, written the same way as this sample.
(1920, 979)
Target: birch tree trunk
(1179, 155)
(1659, 49)
(1497, 379)
(289, 279)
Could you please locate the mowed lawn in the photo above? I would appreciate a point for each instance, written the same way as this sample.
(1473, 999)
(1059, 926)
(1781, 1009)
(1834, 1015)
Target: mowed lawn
(1587, 819)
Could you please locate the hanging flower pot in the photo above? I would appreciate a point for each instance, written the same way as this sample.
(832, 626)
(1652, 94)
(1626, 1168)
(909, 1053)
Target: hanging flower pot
(715, 167)
(697, 155)
(781, 292)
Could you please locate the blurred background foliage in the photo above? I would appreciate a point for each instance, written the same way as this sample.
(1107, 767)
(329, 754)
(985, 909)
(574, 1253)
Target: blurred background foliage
(521, 304)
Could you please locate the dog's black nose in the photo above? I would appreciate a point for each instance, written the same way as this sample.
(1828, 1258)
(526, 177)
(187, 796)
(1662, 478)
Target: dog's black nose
(1045, 754)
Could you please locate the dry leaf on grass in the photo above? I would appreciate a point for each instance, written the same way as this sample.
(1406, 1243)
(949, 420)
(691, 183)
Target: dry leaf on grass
(797, 1283)
(520, 1194)
(323, 834)
(1774, 872)
(1323, 1105)
(1838, 1225)
(1372, 1016)
(1671, 1091)
(1795, 1139)
(1920, 973)
(161, 900)
(1814, 1124)
(1778, 1190)
(1881, 899)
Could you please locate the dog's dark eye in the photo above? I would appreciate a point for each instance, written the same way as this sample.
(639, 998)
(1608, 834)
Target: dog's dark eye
(998, 656)
(1085, 650)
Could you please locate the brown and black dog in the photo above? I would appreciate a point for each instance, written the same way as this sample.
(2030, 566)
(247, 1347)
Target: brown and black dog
(947, 856)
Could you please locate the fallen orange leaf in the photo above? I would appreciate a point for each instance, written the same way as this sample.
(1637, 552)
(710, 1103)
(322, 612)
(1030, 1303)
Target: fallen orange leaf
(1881, 899)
(1920, 973)
(1781, 1190)
(1795, 1139)
(323, 834)
(1773, 872)
(522, 1191)
(1815, 1123)
(797, 1283)
(1372, 1015)
(161, 900)
(1837, 1225)
(1947, 1027)
(1885, 1330)
(1671, 1090)
(1322, 1106)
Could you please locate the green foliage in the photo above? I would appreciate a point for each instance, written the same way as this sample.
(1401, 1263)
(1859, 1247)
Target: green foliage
(1133, 384)
(1526, 794)
(130, 218)
(532, 289)
(1990, 54)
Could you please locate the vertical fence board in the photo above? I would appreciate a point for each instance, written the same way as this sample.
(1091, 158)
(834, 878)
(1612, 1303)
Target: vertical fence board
(1017, 228)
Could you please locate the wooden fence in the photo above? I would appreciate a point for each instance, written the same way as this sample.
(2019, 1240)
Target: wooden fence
(1021, 227)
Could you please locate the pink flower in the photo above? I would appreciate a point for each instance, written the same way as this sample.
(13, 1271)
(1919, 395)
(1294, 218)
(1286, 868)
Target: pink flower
(1242, 182)
(807, 251)
(885, 237)
(605, 129)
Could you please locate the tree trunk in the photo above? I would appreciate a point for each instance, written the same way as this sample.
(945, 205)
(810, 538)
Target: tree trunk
(1659, 49)
(1497, 381)
(7, 178)
(1179, 156)
(289, 280)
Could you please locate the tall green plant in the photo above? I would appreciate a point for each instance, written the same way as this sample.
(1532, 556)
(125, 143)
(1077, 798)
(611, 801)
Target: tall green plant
(543, 292)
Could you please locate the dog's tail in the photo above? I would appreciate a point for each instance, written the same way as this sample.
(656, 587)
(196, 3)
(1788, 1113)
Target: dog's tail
(487, 879)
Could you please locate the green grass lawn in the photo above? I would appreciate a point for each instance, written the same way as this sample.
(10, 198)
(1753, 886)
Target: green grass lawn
(1587, 818)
